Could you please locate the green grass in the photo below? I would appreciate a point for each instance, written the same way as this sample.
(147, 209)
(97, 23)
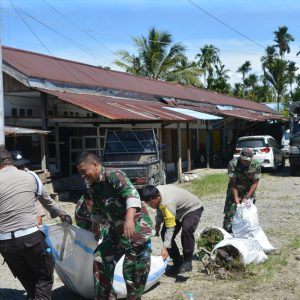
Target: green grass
(210, 184)
(266, 270)
(295, 243)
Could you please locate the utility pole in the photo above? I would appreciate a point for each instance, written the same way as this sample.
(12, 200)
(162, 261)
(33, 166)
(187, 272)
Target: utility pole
(2, 134)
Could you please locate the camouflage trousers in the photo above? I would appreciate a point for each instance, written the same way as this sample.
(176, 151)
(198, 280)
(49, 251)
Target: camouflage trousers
(136, 267)
(230, 209)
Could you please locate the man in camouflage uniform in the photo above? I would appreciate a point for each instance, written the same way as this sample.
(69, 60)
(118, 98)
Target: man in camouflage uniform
(244, 173)
(116, 200)
(83, 211)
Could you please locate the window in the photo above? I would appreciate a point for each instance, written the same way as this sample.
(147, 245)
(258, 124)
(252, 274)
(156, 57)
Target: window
(29, 112)
(251, 143)
(22, 112)
(14, 112)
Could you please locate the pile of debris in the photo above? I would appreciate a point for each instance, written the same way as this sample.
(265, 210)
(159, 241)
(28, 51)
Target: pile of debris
(225, 262)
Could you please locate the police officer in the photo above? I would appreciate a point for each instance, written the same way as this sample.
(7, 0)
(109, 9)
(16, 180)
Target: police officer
(22, 244)
(178, 210)
(44, 199)
(116, 200)
(244, 173)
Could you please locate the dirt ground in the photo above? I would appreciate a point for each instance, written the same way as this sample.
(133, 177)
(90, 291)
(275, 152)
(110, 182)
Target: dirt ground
(278, 203)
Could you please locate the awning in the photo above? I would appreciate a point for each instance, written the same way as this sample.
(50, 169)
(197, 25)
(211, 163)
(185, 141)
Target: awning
(117, 108)
(10, 130)
(195, 114)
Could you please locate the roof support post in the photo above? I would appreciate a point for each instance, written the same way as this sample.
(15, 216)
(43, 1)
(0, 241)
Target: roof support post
(44, 127)
(57, 150)
(2, 134)
(207, 145)
(188, 142)
(179, 159)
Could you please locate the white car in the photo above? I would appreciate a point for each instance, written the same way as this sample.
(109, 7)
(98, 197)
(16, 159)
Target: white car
(266, 150)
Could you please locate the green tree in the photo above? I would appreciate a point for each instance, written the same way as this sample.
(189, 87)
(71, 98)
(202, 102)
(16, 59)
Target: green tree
(159, 58)
(291, 73)
(220, 83)
(282, 40)
(244, 69)
(206, 59)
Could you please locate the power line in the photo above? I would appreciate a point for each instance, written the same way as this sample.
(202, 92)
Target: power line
(226, 25)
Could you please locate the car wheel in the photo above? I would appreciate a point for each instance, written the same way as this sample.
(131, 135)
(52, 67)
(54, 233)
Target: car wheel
(283, 161)
(275, 166)
(293, 170)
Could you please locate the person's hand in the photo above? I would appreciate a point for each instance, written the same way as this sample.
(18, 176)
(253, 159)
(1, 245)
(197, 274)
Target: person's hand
(129, 228)
(245, 199)
(66, 219)
(164, 253)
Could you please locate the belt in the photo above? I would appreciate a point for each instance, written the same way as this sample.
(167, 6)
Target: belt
(17, 233)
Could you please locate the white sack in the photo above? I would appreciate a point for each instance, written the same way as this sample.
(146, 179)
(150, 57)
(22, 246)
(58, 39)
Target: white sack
(73, 250)
(250, 251)
(246, 225)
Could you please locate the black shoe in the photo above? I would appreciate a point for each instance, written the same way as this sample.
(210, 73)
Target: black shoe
(185, 267)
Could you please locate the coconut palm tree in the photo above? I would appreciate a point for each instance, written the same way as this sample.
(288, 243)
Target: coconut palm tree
(220, 83)
(159, 58)
(291, 72)
(282, 40)
(244, 69)
(207, 58)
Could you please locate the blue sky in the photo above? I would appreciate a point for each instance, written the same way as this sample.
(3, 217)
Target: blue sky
(92, 31)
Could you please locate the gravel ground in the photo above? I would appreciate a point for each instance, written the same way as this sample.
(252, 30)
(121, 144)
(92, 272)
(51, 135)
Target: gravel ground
(279, 210)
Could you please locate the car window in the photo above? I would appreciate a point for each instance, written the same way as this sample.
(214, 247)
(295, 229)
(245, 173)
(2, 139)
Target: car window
(252, 143)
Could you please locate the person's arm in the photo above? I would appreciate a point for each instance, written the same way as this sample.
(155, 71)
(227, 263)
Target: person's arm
(128, 192)
(234, 191)
(251, 191)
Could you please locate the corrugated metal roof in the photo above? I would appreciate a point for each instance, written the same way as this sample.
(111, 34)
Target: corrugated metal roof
(121, 108)
(10, 130)
(42, 66)
(249, 115)
(194, 114)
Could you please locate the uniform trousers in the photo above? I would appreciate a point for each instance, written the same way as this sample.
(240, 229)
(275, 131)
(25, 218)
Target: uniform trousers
(31, 261)
(188, 225)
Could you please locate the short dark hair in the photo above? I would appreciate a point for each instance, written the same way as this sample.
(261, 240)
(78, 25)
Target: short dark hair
(5, 157)
(149, 192)
(87, 157)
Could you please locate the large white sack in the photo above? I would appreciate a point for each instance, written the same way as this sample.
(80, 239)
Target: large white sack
(249, 250)
(246, 225)
(73, 250)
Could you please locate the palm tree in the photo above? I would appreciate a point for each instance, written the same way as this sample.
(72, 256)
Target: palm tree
(207, 58)
(277, 74)
(291, 72)
(158, 58)
(220, 83)
(244, 69)
(271, 54)
(282, 40)
(131, 63)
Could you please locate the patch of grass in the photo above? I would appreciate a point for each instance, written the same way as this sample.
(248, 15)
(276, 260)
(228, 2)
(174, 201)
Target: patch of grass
(266, 270)
(294, 243)
(210, 184)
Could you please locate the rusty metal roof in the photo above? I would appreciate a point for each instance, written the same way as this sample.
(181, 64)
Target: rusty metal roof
(37, 65)
(121, 108)
(11, 130)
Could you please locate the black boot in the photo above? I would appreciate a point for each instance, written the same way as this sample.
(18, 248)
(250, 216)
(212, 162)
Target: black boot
(173, 270)
(186, 266)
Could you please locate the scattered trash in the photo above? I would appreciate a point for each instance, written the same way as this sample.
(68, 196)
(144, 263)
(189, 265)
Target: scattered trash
(188, 176)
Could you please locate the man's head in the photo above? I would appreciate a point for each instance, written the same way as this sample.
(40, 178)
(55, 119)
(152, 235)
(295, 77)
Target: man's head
(89, 166)
(150, 195)
(5, 158)
(246, 156)
(19, 161)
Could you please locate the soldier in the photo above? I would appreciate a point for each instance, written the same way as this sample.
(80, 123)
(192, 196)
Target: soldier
(83, 211)
(244, 173)
(177, 209)
(115, 199)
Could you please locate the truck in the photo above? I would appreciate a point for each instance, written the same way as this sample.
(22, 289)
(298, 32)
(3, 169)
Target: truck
(137, 153)
(294, 153)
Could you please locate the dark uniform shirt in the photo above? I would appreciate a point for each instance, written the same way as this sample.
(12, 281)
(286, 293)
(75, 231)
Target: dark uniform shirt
(112, 196)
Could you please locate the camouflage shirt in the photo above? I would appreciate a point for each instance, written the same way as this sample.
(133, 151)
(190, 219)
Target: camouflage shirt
(112, 196)
(245, 176)
(82, 215)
